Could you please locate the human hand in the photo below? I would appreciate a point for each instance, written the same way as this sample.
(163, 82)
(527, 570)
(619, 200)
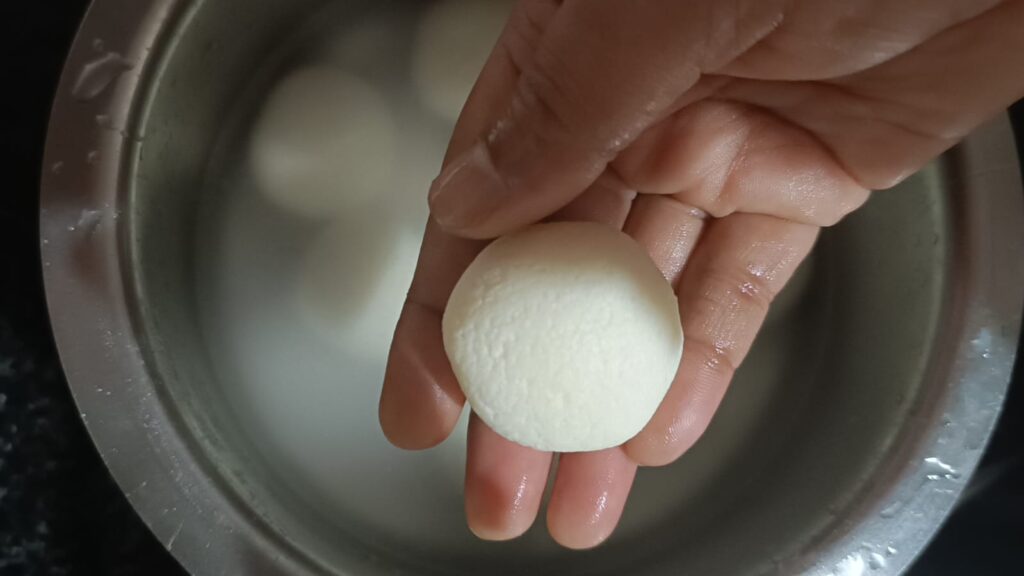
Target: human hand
(720, 136)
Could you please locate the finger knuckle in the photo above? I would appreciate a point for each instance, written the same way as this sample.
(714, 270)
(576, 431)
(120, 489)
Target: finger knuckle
(727, 311)
(749, 291)
(546, 103)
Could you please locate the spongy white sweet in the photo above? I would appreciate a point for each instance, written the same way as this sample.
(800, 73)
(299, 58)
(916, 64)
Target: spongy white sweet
(324, 143)
(564, 336)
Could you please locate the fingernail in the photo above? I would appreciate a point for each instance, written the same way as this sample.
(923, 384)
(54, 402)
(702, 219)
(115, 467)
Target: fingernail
(467, 191)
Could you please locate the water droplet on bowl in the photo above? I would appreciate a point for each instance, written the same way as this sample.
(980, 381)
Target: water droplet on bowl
(892, 509)
(982, 343)
(876, 561)
(91, 157)
(56, 167)
(98, 74)
(851, 565)
(938, 469)
(88, 222)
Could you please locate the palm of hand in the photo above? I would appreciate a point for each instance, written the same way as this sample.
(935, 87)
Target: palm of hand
(766, 124)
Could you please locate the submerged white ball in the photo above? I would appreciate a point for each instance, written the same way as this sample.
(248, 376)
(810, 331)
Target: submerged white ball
(324, 143)
(353, 279)
(564, 336)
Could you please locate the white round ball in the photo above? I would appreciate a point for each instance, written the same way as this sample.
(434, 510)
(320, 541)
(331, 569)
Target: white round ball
(453, 41)
(324, 143)
(564, 336)
(352, 282)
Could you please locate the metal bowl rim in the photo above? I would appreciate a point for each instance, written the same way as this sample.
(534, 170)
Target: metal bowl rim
(162, 452)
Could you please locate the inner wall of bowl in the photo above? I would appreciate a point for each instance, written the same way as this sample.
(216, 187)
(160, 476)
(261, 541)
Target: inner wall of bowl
(808, 417)
(205, 67)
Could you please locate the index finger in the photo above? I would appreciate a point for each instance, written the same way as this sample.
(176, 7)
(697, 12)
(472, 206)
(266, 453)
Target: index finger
(421, 400)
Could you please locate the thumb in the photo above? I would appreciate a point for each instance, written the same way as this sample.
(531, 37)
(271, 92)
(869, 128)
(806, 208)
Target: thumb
(597, 77)
(570, 113)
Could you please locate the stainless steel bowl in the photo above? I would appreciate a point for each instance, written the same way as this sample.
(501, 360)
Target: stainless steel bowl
(842, 445)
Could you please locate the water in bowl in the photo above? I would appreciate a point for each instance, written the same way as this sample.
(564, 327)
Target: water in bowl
(298, 307)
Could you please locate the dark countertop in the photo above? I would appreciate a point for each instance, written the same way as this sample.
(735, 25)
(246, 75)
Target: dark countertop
(62, 514)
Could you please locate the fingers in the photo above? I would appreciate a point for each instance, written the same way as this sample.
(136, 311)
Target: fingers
(591, 488)
(738, 266)
(421, 400)
(819, 41)
(986, 56)
(887, 121)
(608, 200)
(491, 93)
(598, 76)
(504, 483)
(724, 158)
(589, 494)
(667, 229)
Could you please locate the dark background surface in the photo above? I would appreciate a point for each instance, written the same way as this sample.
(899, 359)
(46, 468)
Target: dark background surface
(60, 512)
